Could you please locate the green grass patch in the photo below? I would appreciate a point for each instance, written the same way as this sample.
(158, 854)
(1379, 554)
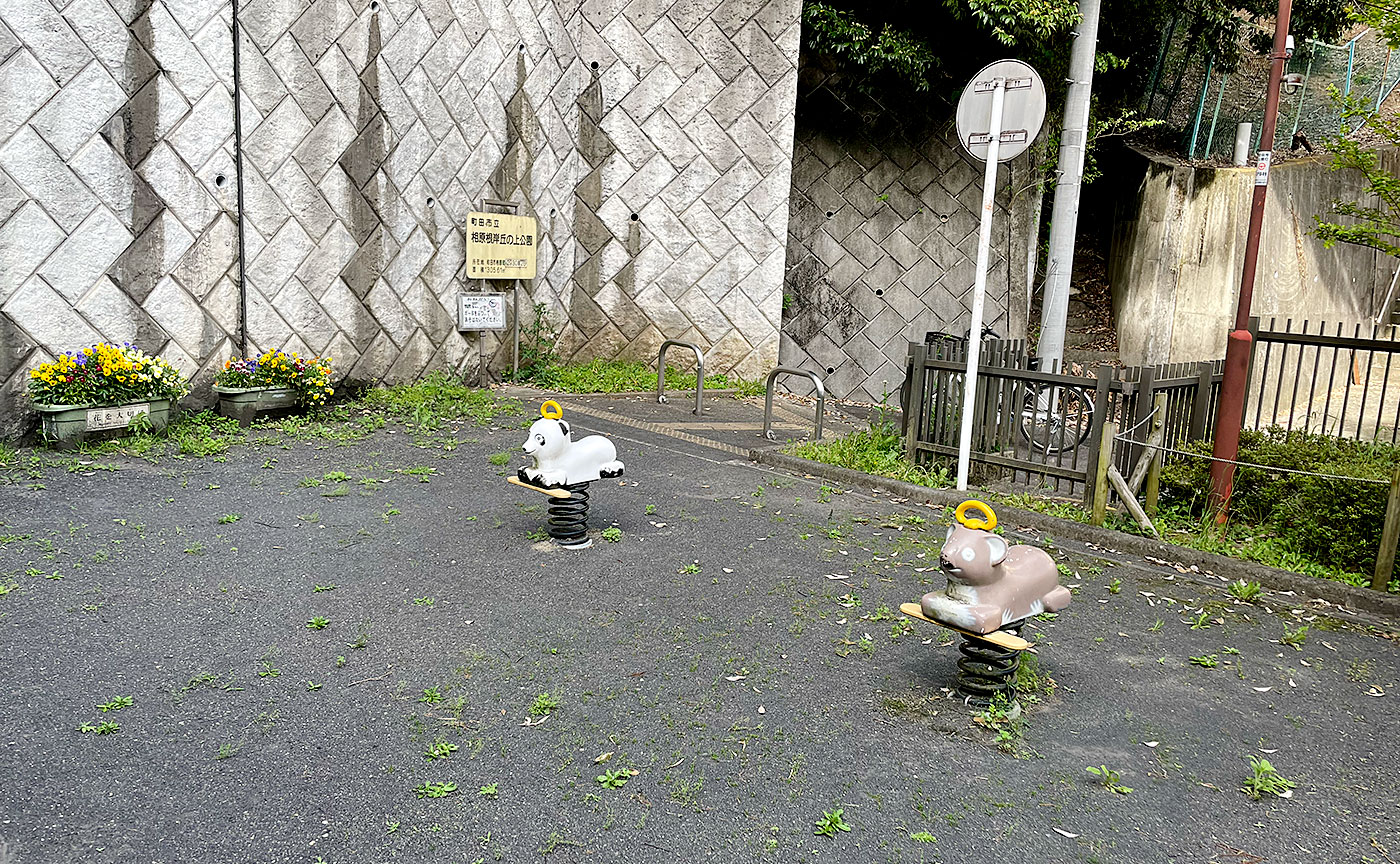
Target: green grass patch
(878, 450)
(627, 376)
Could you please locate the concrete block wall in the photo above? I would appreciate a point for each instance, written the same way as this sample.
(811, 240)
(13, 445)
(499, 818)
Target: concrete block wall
(652, 141)
(882, 237)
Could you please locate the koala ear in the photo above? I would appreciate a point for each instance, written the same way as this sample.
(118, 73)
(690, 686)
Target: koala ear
(997, 546)
(951, 529)
(564, 427)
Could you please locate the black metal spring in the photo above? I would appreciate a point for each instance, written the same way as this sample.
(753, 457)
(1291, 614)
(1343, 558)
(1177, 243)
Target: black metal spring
(568, 517)
(986, 671)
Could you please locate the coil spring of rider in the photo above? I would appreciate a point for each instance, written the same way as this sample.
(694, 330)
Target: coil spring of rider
(568, 517)
(986, 671)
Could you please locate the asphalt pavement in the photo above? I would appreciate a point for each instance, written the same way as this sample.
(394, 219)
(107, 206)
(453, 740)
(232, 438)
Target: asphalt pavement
(730, 665)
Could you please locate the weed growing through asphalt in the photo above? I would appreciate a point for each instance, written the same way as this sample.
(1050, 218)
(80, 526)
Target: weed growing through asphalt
(336, 476)
(690, 569)
(1264, 778)
(361, 640)
(614, 779)
(830, 823)
(106, 727)
(1115, 586)
(651, 509)
(321, 589)
(195, 548)
(318, 623)
(1243, 590)
(435, 790)
(612, 534)
(1109, 778)
(312, 686)
(116, 704)
(1201, 621)
(499, 459)
(308, 482)
(269, 670)
(440, 749)
(1296, 638)
(923, 837)
(423, 601)
(391, 826)
(1209, 661)
(543, 705)
(997, 718)
(431, 695)
(230, 518)
(536, 534)
(489, 790)
(340, 661)
(227, 750)
(1156, 625)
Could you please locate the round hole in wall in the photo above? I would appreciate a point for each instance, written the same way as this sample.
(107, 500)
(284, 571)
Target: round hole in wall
(593, 65)
(431, 202)
(831, 370)
(522, 46)
(635, 217)
(879, 292)
(829, 214)
(551, 211)
(374, 5)
(220, 180)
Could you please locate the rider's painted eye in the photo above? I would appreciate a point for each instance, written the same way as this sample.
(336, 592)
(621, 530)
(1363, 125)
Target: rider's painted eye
(539, 438)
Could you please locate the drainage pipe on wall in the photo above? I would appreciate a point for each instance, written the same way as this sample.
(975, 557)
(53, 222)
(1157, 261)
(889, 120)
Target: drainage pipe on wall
(238, 179)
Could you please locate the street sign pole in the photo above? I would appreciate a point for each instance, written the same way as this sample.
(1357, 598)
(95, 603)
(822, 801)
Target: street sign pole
(999, 114)
(979, 287)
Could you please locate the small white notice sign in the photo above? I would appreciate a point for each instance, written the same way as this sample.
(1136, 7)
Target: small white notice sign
(115, 418)
(481, 311)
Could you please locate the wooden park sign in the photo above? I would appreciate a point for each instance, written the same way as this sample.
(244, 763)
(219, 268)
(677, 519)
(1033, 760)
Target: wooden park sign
(501, 246)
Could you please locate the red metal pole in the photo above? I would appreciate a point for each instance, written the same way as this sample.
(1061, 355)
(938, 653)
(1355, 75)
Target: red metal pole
(1230, 416)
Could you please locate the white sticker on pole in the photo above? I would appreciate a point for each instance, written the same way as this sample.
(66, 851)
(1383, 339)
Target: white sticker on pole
(1261, 171)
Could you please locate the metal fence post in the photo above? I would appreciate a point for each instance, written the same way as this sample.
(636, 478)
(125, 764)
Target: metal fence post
(1390, 534)
(1200, 404)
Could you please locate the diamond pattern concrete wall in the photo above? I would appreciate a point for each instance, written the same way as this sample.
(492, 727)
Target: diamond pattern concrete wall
(116, 195)
(652, 140)
(882, 239)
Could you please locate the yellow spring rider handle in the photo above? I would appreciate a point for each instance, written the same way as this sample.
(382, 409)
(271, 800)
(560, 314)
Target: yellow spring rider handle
(988, 524)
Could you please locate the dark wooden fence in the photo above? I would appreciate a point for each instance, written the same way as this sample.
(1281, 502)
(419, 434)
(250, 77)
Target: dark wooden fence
(1028, 439)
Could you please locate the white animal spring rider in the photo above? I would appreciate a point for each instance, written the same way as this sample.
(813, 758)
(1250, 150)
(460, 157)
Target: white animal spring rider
(562, 471)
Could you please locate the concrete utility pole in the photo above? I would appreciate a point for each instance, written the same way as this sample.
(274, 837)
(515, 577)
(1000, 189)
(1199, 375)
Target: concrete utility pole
(1064, 215)
(1230, 415)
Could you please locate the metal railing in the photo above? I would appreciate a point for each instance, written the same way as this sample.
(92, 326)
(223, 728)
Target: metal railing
(768, 400)
(1340, 380)
(699, 373)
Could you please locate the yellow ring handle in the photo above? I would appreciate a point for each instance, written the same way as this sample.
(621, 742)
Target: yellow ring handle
(988, 524)
(551, 410)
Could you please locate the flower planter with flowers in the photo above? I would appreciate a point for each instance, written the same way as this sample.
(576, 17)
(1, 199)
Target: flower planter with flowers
(99, 392)
(276, 382)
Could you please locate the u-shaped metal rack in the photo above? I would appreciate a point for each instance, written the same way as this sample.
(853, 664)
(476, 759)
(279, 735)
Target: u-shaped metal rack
(768, 400)
(699, 373)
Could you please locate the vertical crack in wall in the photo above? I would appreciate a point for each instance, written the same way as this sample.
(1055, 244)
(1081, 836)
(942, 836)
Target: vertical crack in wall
(361, 161)
(515, 174)
(133, 132)
(589, 231)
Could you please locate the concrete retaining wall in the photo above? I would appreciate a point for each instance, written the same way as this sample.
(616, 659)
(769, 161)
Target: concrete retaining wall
(652, 141)
(1178, 250)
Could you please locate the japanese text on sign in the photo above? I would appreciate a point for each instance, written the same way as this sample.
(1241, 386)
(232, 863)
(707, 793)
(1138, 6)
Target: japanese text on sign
(500, 246)
(481, 311)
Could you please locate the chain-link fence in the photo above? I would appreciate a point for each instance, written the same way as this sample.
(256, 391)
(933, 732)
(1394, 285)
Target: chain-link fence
(1203, 104)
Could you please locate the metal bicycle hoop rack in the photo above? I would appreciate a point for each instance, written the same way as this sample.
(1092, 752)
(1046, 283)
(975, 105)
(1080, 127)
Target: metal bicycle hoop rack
(768, 400)
(699, 373)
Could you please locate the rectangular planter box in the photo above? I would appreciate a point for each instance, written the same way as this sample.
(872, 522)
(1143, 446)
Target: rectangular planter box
(246, 404)
(70, 425)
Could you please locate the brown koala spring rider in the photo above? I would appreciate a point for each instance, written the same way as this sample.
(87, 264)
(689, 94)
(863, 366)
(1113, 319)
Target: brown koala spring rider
(991, 584)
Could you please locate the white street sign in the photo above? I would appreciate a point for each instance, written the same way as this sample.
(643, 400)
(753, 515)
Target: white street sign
(999, 115)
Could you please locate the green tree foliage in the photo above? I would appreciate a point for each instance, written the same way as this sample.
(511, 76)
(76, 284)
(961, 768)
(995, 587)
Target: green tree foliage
(1374, 225)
